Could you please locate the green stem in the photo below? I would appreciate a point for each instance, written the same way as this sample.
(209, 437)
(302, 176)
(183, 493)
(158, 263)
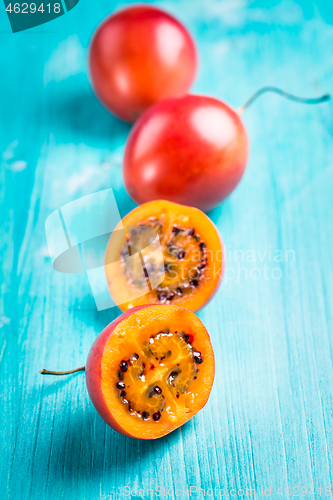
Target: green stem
(286, 95)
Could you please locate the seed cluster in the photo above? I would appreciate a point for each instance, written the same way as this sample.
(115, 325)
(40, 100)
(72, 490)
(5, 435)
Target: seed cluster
(178, 251)
(139, 237)
(159, 346)
(164, 294)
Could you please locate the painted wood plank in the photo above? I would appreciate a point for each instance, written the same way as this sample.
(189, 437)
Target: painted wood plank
(268, 423)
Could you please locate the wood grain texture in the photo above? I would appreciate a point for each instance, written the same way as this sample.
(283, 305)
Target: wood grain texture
(268, 422)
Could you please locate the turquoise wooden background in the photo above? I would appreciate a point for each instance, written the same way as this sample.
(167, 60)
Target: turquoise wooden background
(268, 422)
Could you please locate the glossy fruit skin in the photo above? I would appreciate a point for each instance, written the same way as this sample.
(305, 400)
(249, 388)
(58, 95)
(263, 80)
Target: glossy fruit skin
(138, 56)
(191, 150)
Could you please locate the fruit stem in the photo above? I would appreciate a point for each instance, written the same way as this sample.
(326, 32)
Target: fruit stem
(286, 95)
(49, 372)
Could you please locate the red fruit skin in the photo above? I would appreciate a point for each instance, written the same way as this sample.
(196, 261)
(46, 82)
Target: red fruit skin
(93, 371)
(191, 150)
(138, 56)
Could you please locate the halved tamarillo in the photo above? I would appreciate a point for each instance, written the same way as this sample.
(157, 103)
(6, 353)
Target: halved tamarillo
(150, 370)
(172, 254)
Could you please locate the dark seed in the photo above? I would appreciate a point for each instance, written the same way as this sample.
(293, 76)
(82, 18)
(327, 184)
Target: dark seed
(171, 249)
(170, 296)
(191, 231)
(123, 394)
(130, 408)
(201, 265)
(146, 272)
(136, 356)
(175, 230)
(190, 339)
(186, 338)
(120, 375)
(172, 377)
(157, 390)
(181, 255)
(123, 366)
(179, 291)
(194, 272)
(145, 415)
(161, 296)
(177, 396)
(120, 385)
(197, 357)
(194, 282)
(202, 246)
(157, 416)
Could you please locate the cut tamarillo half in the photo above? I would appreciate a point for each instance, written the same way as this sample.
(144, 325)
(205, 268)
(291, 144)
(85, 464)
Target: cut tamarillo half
(172, 254)
(150, 370)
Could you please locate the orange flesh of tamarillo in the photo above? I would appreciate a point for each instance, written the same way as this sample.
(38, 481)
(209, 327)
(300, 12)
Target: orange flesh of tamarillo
(192, 263)
(162, 359)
